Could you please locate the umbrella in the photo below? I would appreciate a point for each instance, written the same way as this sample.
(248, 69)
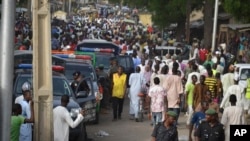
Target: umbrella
(129, 21)
(21, 9)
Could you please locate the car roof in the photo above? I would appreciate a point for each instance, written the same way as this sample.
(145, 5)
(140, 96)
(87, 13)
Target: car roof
(95, 41)
(79, 61)
(17, 52)
(78, 64)
(243, 65)
(29, 72)
(105, 44)
(166, 47)
(23, 52)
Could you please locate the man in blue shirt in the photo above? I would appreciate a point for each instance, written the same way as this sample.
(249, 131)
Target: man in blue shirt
(197, 118)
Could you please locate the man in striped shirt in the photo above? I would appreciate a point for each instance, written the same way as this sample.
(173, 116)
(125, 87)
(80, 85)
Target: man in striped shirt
(211, 82)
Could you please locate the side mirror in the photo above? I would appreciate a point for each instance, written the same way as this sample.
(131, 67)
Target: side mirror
(82, 94)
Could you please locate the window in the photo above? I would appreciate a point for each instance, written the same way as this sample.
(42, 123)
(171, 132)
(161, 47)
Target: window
(245, 74)
(85, 70)
(60, 85)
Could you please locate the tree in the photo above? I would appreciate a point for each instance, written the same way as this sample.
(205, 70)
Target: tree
(208, 22)
(238, 8)
(165, 12)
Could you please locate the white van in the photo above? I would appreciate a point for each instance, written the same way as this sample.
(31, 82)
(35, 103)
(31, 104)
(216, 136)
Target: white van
(244, 73)
(163, 50)
(172, 50)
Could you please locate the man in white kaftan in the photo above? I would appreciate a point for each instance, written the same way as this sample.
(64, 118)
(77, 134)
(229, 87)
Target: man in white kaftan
(239, 92)
(26, 128)
(62, 120)
(232, 115)
(23, 100)
(228, 79)
(136, 82)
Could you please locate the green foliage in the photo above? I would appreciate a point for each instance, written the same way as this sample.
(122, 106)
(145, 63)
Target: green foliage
(137, 3)
(115, 1)
(167, 11)
(22, 2)
(238, 8)
(164, 11)
(131, 3)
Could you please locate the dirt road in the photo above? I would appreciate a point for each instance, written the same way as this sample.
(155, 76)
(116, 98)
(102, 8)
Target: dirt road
(128, 130)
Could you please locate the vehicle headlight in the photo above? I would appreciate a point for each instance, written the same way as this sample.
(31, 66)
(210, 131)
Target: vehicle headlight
(89, 105)
(75, 111)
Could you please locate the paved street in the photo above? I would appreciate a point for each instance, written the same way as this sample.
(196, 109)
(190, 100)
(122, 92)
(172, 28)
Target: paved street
(128, 130)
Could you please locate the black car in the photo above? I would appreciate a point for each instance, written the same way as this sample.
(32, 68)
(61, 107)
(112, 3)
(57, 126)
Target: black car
(26, 56)
(87, 70)
(127, 62)
(61, 87)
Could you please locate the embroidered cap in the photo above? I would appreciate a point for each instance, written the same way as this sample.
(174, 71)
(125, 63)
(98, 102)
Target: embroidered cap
(172, 114)
(26, 86)
(210, 112)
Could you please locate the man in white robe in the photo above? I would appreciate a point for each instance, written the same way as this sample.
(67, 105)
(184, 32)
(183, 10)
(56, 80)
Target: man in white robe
(232, 115)
(142, 66)
(239, 92)
(26, 86)
(228, 79)
(62, 120)
(195, 72)
(26, 128)
(136, 82)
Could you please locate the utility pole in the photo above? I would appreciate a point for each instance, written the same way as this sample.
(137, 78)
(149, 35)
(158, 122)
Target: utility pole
(188, 11)
(6, 66)
(215, 24)
(29, 10)
(42, 70)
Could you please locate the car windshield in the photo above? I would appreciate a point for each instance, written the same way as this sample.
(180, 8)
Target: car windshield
(86, 70)
(103, 59)
(245, 74)
(125, 62)
(60, 85)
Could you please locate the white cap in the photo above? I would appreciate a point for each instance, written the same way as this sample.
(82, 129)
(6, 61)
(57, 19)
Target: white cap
(217, 52)
(157, 58)
(26, 86)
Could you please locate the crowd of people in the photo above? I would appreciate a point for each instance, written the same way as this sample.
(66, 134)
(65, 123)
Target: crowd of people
(206, 87)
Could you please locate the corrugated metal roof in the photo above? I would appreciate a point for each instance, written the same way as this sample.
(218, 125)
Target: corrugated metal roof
(238, 26)
(224, 16)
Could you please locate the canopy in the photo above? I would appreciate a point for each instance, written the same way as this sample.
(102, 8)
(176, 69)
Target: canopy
(129, 21)
(21, 9)
(238, 26)
(60, 15)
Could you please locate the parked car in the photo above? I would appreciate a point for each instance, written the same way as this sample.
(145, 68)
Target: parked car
(103, 50)
(61, 87)
(25, 57)
(127, 62)
(244, 74)
(87, 70)
(101, 44)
